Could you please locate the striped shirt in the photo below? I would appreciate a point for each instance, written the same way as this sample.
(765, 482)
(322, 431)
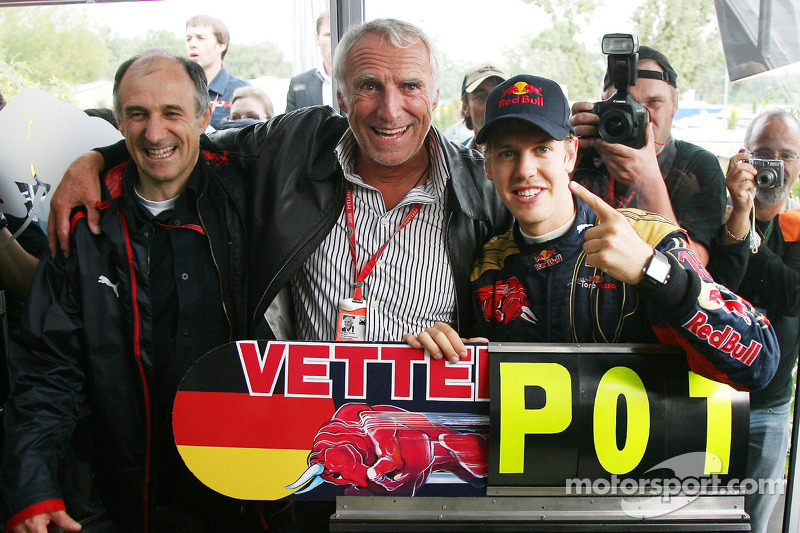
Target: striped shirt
(411, 286)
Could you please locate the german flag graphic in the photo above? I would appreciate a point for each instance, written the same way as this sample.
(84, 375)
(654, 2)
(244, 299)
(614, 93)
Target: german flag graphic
(241, 445)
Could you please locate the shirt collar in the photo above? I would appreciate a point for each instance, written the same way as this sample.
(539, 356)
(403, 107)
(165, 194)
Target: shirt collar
(322, 74)
(219, 82)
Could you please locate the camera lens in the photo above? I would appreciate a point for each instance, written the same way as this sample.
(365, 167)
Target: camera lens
(615, 126)
(767, 178)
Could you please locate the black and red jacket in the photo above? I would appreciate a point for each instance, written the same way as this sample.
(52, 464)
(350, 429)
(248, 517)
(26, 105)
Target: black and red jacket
(82, 341)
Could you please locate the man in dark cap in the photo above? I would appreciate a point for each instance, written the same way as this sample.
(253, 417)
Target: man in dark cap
(676, 179)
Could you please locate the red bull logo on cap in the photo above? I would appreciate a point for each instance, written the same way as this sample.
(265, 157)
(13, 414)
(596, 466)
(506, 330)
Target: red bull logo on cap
(521, 93)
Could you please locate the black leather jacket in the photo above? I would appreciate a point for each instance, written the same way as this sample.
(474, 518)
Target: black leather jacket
(298, 191)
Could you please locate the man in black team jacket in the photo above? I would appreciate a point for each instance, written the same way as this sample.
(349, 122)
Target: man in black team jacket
(119, 322)
(770, 279)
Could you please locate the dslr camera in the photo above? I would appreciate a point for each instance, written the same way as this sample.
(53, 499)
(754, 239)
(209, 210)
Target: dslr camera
(623, 120)
(769, 173)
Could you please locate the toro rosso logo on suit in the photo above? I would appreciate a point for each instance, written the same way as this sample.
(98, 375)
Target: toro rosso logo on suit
(504, 301)
(595, 282)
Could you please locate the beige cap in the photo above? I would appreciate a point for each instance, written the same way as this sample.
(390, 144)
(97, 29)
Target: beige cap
(477, 73)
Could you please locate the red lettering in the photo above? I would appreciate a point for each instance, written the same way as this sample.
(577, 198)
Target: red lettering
(356, 358)
(261, 373)
(752, 353)
(402, 360)
(731, 344)
(696, 321)
(482, 369)
(447, 381)
(307, 370)
(688, 256)
(704, 331)
(718, 338)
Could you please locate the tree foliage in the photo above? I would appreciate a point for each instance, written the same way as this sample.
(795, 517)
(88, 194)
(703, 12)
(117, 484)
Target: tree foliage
(244, 60)
(256, 60)
(54, 42)
(122, 48)
(449, 110)
(556, 52)
(686, 32)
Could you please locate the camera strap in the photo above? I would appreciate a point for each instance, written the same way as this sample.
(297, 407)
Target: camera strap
(755, 238)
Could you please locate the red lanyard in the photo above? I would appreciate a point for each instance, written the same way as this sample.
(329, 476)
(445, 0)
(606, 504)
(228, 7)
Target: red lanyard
(351, 235)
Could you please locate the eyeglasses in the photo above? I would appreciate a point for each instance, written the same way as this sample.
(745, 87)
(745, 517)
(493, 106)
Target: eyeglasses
(787, 158)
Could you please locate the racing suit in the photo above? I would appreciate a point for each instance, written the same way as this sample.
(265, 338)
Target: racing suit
(546, 293)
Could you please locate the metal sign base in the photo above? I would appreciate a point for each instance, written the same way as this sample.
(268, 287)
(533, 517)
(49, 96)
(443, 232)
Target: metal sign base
(535, 513)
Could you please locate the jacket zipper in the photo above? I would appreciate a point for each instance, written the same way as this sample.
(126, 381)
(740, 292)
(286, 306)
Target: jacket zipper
(457, 320)
(138, 355)
(216, 267)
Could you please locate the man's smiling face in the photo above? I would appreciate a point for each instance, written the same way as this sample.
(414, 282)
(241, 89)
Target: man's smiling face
(389, 98)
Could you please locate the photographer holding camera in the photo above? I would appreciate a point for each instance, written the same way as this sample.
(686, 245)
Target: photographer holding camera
(635, 162)
(770, 279)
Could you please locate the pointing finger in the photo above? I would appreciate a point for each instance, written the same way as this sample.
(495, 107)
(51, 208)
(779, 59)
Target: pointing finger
(595, 203)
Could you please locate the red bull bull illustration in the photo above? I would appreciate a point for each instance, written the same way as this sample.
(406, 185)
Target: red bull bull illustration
(382, 450)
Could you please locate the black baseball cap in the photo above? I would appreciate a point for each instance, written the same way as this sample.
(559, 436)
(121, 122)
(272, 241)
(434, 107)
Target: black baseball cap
(532, 99)
(645, 52)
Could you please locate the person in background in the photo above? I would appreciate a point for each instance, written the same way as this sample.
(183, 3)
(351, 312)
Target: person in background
(768, 275)
(478, 81)
(207, 42)
(673, 178)
(248, 106)
(313, 87)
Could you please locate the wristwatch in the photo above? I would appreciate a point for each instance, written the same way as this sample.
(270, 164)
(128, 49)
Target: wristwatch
(656, 271)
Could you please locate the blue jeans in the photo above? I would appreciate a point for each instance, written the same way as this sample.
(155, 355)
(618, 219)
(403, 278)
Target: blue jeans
(766, 460)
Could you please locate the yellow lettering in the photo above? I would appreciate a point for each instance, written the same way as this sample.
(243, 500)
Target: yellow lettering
(623, 381)
(516, 421)
(720, 421)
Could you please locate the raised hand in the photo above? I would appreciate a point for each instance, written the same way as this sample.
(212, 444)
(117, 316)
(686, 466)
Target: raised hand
(612, 245)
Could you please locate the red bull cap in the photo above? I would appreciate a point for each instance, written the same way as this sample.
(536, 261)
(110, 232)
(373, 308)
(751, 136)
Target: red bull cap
(532, 99)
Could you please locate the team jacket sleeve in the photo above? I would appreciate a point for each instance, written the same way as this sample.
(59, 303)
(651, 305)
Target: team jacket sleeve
(49, 387)
(724, 337)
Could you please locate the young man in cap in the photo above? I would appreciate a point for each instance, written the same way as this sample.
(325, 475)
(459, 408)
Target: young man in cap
(478, 82)
(573, 269)
(674, 178)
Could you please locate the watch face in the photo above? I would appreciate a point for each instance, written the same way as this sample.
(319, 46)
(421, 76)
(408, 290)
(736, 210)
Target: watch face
(658, 269)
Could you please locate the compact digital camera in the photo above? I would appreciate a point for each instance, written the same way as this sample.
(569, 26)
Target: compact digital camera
(623, 120)
(769, 173)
